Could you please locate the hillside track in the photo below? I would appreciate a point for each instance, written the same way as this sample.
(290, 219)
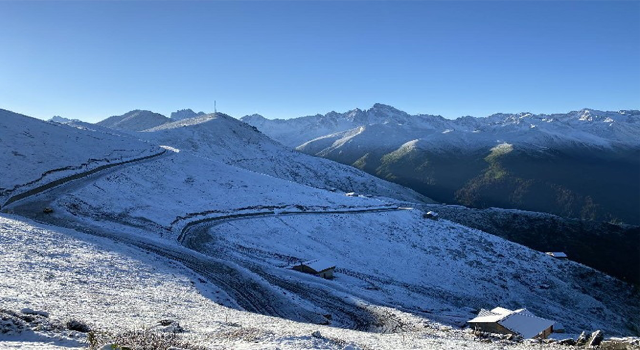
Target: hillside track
(251, 292)
(250, 285)
(345, 312)
(62, 181)
(208, 222)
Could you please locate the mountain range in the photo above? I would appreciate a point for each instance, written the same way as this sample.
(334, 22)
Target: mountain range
(582, 164)
(223, 138)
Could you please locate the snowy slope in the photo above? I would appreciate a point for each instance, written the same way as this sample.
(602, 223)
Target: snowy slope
(35, 152)
(203, 241)
(617, 255)
(136, 120)
(165, 189)
(391, 259)
(115, 288)
(226, 139)
(399, 259)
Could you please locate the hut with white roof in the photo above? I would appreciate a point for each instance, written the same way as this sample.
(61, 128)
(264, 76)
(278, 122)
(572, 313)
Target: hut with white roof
(319, 267)
(519, 322)
(558, 255)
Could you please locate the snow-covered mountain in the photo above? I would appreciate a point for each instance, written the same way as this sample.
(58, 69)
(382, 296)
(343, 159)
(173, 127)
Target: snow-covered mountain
(136, 120)
(35, 152)
(62, 120)
(223, 138)
(598, 128)
(179, 233)
(185, 114)
(554, 163)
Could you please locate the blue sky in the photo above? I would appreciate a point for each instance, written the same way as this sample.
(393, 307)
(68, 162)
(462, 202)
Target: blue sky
(90, 60)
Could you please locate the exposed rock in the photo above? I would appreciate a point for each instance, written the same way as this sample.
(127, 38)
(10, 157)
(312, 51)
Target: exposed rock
(596, 338)
(568, 342)
(11, 324)
(185, 114)
(168, 326)
(582, 339)
(79, 326)
(28, 311)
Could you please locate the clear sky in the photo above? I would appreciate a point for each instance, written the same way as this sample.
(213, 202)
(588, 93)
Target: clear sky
(90, 60)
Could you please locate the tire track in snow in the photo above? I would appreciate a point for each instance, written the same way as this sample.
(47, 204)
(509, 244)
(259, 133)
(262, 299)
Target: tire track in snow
(251, 287)
(346, 313)
(66, 179)
(249, 291)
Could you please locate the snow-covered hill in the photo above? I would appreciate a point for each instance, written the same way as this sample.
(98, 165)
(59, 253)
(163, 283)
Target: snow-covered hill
(35, 152)
(617, 255)
(387, 256)
(223, 138)
(117, 289)
(136, 120)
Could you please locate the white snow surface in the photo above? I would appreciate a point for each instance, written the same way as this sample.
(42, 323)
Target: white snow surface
(115, 287)
(35, 152)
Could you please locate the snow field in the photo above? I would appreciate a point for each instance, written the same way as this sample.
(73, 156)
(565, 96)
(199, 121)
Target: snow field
(115, 287)
(164, 189)
(400, 260)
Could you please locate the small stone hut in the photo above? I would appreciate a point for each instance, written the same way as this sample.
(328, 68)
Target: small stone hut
(519, 322)
(318, 267)
(558, 255)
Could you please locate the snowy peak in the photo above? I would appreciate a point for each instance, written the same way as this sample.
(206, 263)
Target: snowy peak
(295, 132)
(62, 120)
(254, 119)
(600, 128)
(136, 120)
(185, 114)
(385, 111)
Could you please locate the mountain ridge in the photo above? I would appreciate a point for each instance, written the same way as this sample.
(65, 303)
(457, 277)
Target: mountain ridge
(451, 160)
(135, 120)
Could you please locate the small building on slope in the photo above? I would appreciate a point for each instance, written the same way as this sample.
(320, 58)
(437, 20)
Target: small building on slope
(518, 322)
(558, 255)
(430, 215)
(318, 267)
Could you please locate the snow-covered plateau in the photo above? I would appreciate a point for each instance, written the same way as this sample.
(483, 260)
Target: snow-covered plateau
(192, 234)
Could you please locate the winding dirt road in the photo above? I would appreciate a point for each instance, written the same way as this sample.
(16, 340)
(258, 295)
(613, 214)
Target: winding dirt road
(251, 286)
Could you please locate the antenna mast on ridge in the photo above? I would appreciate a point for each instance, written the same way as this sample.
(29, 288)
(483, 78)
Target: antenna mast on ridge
(215, 110)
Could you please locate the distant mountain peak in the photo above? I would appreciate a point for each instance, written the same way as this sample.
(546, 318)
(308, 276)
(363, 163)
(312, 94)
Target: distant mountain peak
(382, 106)
(62, 120)
(254, 116)
(185, 114)
(135, 120)
(385, 109)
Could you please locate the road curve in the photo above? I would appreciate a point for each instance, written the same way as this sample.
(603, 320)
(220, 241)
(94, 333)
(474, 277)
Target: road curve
(76, 176)
(346, 313)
